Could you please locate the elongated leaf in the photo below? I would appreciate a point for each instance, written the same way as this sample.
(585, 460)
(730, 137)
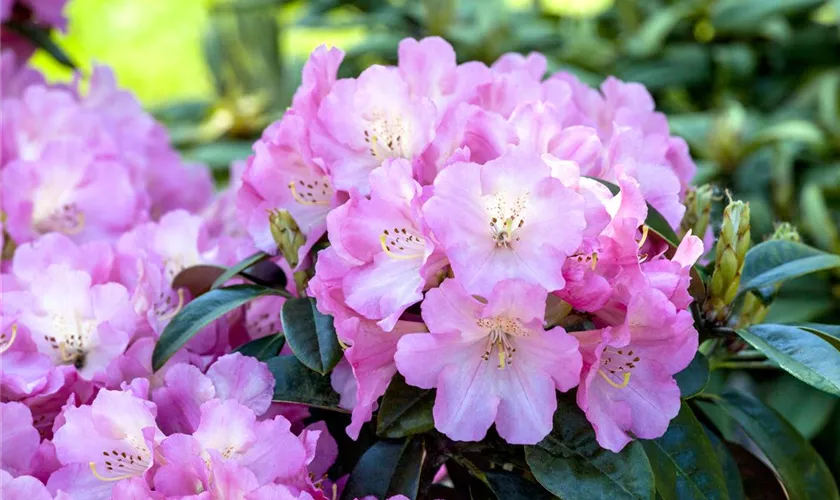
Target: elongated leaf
(807, 409)
(570, 464)
(39, 36)
(747, 15)
(201, 312)
(829, 333)
(405, 410)
(684, 461)
(238, 268)
(731, 475)
(694, 378)
(775, 261)
(311, 335)
(759, 480)
(388, 468)
(296, 383)
(263, 348)
(799, 466)
(802, 354)
(511, 486)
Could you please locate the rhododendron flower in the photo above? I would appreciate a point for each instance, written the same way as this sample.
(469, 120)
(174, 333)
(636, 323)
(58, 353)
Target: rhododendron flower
(508, 218)
(18, 439)
(22, 488)
(627, 384)
(114, 438)
(387, 244)
(491, 362)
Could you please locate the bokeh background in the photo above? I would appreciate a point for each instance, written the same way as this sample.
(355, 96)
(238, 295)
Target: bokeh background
(753, 86)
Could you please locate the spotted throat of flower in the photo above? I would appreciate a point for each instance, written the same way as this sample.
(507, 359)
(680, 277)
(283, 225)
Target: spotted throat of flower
(315, 190)
(617, 366)
(168, 304)
(71, 338)
(402, 243)
(131, 460)
(67, 219)
(501, 335)
(506, 216)
(385, 138)
(6, 340)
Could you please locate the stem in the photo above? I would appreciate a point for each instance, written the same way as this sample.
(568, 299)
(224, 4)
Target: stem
(745, 365)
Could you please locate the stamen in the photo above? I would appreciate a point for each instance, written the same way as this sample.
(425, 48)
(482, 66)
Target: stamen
(8, 343)
(171, 314)
(77, 228)
(404, 246)
(313, 200)
(645, 230)
(99, 476)
(624, 382)
(594, 260)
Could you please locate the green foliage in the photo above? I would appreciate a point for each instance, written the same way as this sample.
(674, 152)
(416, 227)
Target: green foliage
(311, 335)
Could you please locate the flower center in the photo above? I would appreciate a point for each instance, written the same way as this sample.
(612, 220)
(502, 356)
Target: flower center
(70, 339)
(120, 465)
(500, 334)
(402, 243)
(166, 307)
(312, 191)
(506, 216)
(67, 219)
(6, 341)
(263, 325)
(617, 365)
(385, 138)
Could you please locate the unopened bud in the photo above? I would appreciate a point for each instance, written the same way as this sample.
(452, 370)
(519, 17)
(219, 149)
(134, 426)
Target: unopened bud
(731, 250)
(754, 309)
(726, 137)
(287, 235)
(698, 209)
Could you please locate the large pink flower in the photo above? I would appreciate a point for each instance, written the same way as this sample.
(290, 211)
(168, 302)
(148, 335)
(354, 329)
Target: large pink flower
(491, 362)
(627, 383)
(508, 218)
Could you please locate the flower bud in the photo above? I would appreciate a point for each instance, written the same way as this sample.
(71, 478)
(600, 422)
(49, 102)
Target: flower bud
(698, 208)
(725, 141)
(287, 235)
(730, 253)
(754, 309)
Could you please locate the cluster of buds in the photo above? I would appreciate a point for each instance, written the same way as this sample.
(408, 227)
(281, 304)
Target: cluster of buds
(730, 252)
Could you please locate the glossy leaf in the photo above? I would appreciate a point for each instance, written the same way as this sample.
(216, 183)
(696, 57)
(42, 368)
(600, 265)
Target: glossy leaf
(197, 279)
(829, 333)
(201, 312)
(800, 468)
(263, 348)
(693, 379)
(39, 37)
(405, 410)
(731, 474)
(802, 354)
(775, 261)
(807, 409)
(235, 269)
(510, 486)
(570, 464)
(684, 461)
(295, 383)
(387, 468)
(311, 335)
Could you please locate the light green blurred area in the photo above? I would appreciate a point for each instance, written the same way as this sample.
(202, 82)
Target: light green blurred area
(155, 46)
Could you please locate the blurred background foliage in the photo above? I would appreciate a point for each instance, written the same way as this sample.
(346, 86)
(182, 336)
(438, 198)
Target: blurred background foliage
(752, 85)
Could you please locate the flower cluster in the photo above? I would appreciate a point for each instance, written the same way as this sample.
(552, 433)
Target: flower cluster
(474, 248)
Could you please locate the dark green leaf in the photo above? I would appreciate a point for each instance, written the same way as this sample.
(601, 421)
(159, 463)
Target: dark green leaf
(201, 312)
(775, 261)
(296, 383)
(238, 268)
(731, 475)
(311, 335)
(802, 354)
(694, 378)
(39, 36)
(263, 348)
(572, 465)
(800, 468)
(388, 468)
(807, 409)
(684, 462)
(197, 279)
(829, 333)
(747, 15)
(405, 410)
(511, 486)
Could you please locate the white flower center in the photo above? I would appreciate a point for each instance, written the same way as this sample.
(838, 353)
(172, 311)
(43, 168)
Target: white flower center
(501, 333)
(132, 461)
(71, 338)
(386, 137)
(312, 191)
(617, 365)
(506, 216)
(402, 243)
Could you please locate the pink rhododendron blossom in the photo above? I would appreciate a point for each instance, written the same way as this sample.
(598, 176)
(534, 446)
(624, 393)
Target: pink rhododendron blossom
(18, 439)
(22, 488)
(508, 218)
(490, 362)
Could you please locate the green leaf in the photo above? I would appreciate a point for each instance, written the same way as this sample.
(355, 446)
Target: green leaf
(199, 313)
(731, 475)
(802, 354)
(511, 486)
(684, 461)
(570, 464)
(263, 348)
(405, 410)
(807, 409)
(829, 333)
(235, 269)
(295, 383)
(387, 468)
(800, 468)
(39, 36)
(775, 261)
(220, 154)
(747, 15)
(311, 335)
(693, 379)
(757, 478)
